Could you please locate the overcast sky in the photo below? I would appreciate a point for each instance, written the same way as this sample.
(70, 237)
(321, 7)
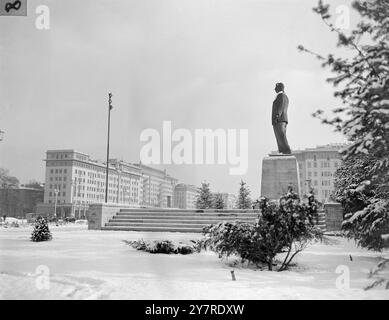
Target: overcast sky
(198, 63)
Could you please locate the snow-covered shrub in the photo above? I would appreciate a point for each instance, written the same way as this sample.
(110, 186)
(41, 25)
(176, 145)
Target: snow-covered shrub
(41, 230)
(163, 246)
(283, 227)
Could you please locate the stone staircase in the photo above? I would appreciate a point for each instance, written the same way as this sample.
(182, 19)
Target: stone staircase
(321, 221)
(174, 220)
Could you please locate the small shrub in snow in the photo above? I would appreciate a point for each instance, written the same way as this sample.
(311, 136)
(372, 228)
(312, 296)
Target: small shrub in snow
(163, 246)
(41, 230)
(286, 227)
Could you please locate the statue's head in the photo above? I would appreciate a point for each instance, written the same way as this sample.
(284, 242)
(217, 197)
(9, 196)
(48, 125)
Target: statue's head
(279, 87)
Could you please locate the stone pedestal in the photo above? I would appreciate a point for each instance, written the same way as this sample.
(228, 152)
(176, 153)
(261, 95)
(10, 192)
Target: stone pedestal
(334, 216)
(279, 172)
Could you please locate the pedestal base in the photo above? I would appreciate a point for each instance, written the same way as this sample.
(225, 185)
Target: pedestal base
(279, 173)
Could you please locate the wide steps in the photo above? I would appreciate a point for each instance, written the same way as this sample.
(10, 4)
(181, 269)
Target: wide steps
(177, 220)
(168, 222)
(153, 229)
(130, 218)
(158, 224)
(180, 214)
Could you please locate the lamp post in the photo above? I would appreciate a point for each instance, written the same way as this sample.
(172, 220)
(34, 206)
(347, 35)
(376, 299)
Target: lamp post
(109, 123)
(56, 191)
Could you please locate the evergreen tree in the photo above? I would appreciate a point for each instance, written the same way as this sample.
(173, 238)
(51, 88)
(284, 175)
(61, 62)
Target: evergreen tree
(363, 117)
(41, 230)
(204, 197)
(218, 202)
(244, 201)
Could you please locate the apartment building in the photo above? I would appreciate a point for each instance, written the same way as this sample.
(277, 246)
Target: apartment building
(157, 187)
(185, 196)
(73, 180)
(317, 167)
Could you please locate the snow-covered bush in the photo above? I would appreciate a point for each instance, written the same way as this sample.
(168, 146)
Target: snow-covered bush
(163, 246)
(41, 230)
(284, 227)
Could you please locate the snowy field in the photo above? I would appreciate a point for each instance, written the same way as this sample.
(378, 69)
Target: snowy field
(98, 265)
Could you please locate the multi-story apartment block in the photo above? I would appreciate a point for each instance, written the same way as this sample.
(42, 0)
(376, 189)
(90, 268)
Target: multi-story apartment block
(185, 196)
(317, 167)
(157, 187)
(74, 180)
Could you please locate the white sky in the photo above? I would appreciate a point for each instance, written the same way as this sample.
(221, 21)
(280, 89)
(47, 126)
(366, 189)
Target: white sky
(199, 63)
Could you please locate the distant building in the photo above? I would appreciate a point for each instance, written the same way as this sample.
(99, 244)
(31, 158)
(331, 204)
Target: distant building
(229, 200)
(317, 167)
(18, 202)
(157, 187)
(74, 180)
(185, 196)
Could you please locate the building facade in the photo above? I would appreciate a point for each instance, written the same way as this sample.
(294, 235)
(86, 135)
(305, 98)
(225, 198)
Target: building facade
(157, 187)
(185, 196)
(17, 202)
(73, 181)
(230, 200)
(317, 167)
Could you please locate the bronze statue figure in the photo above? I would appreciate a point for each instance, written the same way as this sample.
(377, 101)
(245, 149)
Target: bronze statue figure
(280, 118)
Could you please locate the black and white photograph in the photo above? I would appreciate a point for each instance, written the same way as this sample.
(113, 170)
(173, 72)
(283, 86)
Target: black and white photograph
(194, 150)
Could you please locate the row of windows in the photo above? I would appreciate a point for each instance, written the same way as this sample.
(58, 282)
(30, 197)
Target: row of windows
(322, 164)
(323, 183)
(58, 155)
(323, 174)
(58, 178)
(52, 194)
(52, 171)
(57, 186)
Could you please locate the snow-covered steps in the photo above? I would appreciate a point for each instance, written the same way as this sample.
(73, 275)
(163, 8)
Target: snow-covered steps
(321, 221)
(175, 220)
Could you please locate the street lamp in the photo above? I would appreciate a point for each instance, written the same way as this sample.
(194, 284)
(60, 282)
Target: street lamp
(109, 124)
(56, 191)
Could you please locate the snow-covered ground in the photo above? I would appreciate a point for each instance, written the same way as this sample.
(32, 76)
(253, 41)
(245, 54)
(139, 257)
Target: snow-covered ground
(86, 264)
